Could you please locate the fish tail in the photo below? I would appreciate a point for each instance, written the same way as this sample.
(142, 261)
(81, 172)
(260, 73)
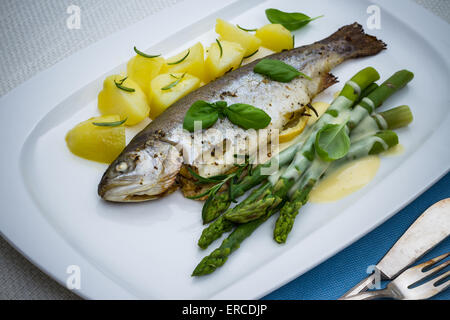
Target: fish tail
(352, 42)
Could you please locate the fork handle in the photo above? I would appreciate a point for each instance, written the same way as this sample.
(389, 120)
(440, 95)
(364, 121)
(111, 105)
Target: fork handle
(362, 286)
(371, 295)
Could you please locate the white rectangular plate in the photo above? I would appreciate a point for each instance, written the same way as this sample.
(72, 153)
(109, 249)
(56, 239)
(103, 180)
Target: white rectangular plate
(51, 211)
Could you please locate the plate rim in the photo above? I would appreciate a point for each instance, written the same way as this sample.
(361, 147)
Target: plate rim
(100, 285)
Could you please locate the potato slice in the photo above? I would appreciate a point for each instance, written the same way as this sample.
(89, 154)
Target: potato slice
(142, 70)
(217, 65)
(131, 105)
(194, 63)
(101, 144)
(230, 32)
(161, 99)
(275, 37)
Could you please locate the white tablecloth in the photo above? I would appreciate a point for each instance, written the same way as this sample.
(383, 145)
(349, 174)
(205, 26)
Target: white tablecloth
(33, 37)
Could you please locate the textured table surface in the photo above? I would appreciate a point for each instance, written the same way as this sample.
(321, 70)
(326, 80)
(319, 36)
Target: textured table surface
(34, 36)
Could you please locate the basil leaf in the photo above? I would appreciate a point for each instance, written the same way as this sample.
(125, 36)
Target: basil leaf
(290, 20)
(278, 70)
(200, 111)
(247, 116)
(220, 106)
(332, 142)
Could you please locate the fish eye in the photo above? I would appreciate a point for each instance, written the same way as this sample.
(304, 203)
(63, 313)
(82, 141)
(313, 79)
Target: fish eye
(121, 167)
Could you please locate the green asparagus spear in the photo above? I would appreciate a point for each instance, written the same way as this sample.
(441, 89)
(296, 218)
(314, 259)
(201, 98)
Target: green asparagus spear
(370, 145)
(365, 141)
(214, 208)
(376, 144)
(219, 256)
(305, 154)
(338, 113)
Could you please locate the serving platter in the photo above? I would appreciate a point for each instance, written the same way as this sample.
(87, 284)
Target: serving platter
(51, 212)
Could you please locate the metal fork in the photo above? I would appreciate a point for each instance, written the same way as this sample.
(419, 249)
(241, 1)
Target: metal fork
(400, 287)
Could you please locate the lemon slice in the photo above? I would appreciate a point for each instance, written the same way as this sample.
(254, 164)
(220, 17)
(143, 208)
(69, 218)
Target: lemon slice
(291, 132)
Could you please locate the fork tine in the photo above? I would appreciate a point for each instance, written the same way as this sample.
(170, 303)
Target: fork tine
(433, 261)
(436, 269)
(413, 275)
(428, 289)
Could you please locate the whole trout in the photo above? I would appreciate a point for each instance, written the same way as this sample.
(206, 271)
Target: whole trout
(148, 167)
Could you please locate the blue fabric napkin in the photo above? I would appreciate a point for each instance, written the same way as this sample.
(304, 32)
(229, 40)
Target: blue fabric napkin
(334, 277)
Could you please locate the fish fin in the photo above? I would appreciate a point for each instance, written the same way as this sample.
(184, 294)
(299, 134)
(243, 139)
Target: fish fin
(354, 42)
(327, 81)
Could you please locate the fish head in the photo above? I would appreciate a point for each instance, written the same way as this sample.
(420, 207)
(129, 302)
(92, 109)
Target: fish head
(142, 173)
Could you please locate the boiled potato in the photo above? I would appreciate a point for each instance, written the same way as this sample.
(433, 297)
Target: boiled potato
(131, 105)
(142, 70)
(194, 63)
(162, 98)
(275, 37)
(232, 55)
(230, 32)
(101, 144)
(262, 52)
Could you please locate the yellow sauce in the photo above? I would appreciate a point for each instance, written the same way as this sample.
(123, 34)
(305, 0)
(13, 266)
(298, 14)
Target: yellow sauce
(345, 180)
(394, 151)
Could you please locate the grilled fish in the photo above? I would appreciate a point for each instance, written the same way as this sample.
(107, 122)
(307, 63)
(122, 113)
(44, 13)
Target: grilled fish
(149, 166)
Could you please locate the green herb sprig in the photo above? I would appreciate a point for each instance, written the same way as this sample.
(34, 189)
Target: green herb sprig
(278, 70)
(219, 181)
(252, 54)
(220, 47)
(145, 55)
(181, 60)
(248, 30)
(119, 84)
(243, 115)
(290, 20)
(110, 124)
(173, 84)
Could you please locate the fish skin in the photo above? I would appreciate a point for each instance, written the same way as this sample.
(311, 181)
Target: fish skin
(155, 156)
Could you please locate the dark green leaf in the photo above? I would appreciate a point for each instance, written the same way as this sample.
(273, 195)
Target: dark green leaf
(290, 20)
(278, 70)
(332, 142)
(200, 111)
(247, 116)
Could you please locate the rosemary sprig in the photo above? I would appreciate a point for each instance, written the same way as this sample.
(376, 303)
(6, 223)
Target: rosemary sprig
(220, 47)
(181, 60)
(119, 84)
(173, 84)
(251, 54)
(248, 30)
(144, 54)
(110, 124)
